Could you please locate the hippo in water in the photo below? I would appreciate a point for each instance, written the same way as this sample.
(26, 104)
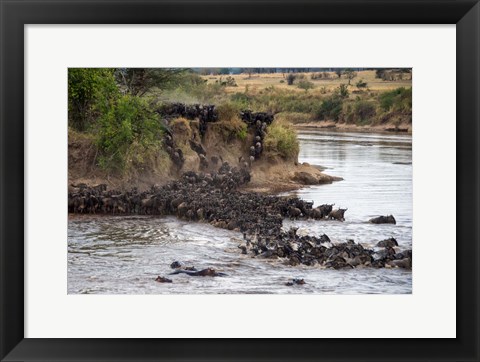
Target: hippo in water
(160, 279)
(383, 220)
(209, 272)
(295, 282)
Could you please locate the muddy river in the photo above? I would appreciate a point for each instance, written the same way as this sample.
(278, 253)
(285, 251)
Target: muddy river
(123, 255)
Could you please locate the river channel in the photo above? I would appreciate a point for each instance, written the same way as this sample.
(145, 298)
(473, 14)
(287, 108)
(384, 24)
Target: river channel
(124, 254)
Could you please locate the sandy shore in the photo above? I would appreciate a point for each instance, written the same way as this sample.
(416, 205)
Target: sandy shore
(282, 177)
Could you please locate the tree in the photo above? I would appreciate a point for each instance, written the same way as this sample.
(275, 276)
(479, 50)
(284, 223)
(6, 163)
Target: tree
(291, 78)
(305, 84)
(339, 72)
(87, 87)
(342, 90)
(138, 81)
(249, 71)
(349, 74)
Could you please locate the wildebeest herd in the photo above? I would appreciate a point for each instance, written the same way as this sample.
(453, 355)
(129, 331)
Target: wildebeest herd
(204, 113)
(215, 198)
(256, 121)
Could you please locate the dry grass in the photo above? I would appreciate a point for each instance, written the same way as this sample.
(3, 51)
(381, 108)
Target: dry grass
(257, 82)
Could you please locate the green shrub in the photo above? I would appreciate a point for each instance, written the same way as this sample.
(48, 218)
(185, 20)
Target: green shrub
(242, 132)
(305, 84)
(330, 108)
(342, 90)
(364, 111)
(87, 87)
(281, 140)
(241, 100)
(399, 99)
(123, 122)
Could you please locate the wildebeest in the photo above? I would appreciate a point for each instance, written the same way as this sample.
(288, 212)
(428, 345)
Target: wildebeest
(322, 211)
(197, 147)
(383, 220)
(203, 162)
(294, 212)
(391, 242)
(337, 214)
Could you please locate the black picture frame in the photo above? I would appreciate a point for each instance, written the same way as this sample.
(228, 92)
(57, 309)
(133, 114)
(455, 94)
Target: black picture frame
(15, 14)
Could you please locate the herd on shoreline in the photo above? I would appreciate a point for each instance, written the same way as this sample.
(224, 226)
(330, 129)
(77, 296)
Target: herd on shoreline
(217, 198)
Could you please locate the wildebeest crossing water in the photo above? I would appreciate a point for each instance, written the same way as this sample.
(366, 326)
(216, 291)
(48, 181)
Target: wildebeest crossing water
(124, 254)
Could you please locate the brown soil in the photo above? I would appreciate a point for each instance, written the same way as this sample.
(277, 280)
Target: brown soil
(272, 176)
(283, 176)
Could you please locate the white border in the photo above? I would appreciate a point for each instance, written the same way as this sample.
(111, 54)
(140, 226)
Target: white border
(428, 312)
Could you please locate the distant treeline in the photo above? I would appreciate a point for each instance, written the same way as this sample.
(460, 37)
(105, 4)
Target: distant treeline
(271, 70)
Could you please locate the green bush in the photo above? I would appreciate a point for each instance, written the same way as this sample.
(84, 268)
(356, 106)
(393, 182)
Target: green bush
(399, 99)
(242, 132)
(342, 90)
(241, 100)
(364, 111)
(281, 140)
(330, 108)
(122, 122)
(305, 84)
(87, 87)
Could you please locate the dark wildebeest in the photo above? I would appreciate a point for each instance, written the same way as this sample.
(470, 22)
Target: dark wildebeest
(387, 243)
(337, 214)
(294, 212)
(322, 211)
(203, 162)
(79, 203)
(383, 220)
(197, 147)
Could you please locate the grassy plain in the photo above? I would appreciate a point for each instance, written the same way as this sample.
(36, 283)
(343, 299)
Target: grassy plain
(257, 82)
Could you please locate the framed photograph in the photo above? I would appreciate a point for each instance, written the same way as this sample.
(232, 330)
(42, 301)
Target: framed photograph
(239, 180)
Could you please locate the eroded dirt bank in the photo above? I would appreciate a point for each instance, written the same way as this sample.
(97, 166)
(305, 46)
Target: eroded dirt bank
(199, 142)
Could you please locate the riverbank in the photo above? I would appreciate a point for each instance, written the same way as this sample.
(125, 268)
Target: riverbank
(268, 148)
(378, 128)
(282, 177)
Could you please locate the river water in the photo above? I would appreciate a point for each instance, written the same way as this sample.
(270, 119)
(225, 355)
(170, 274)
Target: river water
(123, 255)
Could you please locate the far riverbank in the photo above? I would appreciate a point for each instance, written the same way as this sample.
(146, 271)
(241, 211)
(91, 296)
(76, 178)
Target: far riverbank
(405, 128)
